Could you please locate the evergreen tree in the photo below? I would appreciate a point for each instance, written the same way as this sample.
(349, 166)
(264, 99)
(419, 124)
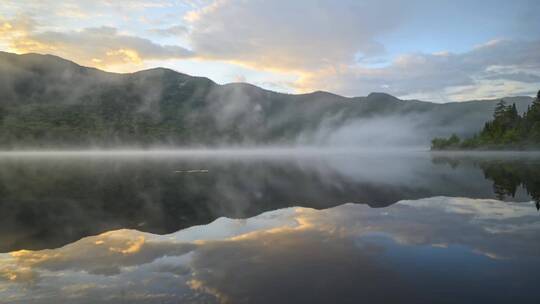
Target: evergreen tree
(512, 117)
(533, 121)
(513, 111)
(507, 130)
(533, 115)
(500, 109)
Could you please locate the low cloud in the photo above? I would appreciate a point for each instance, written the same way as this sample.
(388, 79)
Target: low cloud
(497, 63)
(97, 46)
(101, 47)
(15, 27)
(373, 133)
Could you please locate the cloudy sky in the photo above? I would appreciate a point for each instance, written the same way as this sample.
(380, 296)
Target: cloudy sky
(443, 50)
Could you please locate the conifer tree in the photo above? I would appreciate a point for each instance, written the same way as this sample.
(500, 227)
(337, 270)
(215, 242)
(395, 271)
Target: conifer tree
(508, 129)
(533, 114)
(513, 111)
(500, 109)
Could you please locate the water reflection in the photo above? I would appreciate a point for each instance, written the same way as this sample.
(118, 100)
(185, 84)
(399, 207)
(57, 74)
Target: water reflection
(508, 174)
(50, 202)
(444, 250)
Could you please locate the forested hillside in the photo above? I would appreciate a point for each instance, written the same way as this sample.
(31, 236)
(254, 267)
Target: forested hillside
(46, 101)
(507, 130)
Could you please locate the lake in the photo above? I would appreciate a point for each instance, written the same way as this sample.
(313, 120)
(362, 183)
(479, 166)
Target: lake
(269, 226)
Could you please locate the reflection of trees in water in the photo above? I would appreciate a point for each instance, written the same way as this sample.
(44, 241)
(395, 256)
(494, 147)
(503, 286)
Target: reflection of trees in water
(507, 175)
(48, 204)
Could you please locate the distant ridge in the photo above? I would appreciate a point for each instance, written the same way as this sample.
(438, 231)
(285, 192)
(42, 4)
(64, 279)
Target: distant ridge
(50, 101)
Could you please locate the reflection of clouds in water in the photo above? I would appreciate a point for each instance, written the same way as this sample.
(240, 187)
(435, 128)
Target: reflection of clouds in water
(481, 209)
(294, 254)
(87, 196)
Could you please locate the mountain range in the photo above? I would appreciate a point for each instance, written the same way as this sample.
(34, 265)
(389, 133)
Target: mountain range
(46, 101)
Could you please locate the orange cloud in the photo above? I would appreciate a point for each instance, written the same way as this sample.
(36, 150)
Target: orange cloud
(102, 47)
(131, 246)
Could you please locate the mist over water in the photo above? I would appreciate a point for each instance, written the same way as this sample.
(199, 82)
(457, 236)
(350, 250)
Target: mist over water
(334, 200)
(50, 198)
(344, 203)
(50, 103)
(382, 132)
(157, 187)
(221, 152)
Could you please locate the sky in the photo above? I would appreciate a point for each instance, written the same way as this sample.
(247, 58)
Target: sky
(435, 50)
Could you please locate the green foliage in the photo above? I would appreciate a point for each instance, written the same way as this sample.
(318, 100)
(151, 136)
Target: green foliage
(48, 102)
(507, 130)
(443, 143)
(500, 109)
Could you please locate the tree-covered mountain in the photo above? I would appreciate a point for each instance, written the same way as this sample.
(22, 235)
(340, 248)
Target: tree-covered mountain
(507, 130)
(46, 101)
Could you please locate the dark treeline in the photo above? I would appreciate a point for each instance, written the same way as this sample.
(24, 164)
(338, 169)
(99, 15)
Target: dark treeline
(507, 130)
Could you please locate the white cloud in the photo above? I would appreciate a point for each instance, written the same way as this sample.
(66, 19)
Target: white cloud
(337, 46)
(102, 46)
(322, 42)
(501, 63)
(291, 35)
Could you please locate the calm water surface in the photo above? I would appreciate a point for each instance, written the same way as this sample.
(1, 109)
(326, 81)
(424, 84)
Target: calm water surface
(322, 228)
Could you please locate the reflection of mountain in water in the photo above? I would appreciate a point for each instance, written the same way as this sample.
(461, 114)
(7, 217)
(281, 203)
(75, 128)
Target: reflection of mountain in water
(435, 250)
(46, 203)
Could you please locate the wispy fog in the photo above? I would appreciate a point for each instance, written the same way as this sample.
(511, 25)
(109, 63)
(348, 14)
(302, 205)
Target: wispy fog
(52, 104)
(382, 132)
(264, 152)
(88, 192)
